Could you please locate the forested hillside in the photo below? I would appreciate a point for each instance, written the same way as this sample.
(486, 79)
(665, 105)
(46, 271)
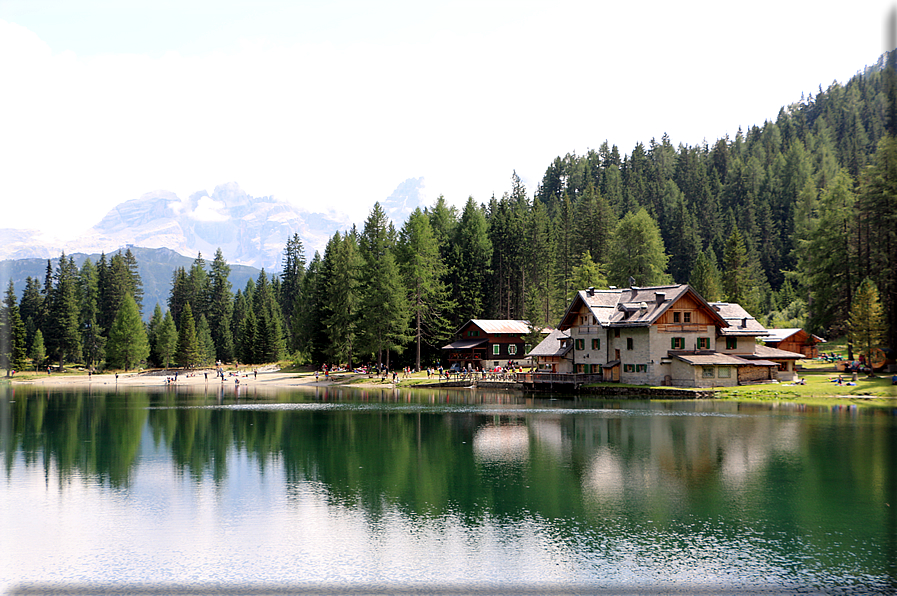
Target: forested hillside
(788, 219)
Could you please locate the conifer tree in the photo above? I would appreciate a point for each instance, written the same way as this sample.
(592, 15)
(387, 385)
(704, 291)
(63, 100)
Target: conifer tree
(867, 320)
(423, 271)
(473, 257)
(204, 340)
(127, 345)
(384, 302)
(38, 352)
(704, 277)
(12, 333)
(736, 282)
(153, 333)
(30, 308)
(92, 339)
(64, 334)
(221, 305)
(311, 312)
(167, 340)
(291, 285)
(343, 297)
(188, 355)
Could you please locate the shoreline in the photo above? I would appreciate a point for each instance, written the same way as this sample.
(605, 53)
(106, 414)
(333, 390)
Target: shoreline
(276, 379)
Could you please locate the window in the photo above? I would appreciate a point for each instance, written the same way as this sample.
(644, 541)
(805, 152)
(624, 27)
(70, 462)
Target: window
(596, 343)
(580, 344)
(616, 333)
(580, 368)
(703, 343)
(724, 372)
(629, 343)
(473, 333)
(707, 372)
(686, 317)
(596, 369)
(628, 368)
(676, 316)
(496, 349)
(512, 349)
(731, 343)
(642, 368)
(677, 343)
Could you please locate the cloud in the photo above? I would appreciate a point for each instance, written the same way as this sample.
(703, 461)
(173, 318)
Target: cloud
(207, 210)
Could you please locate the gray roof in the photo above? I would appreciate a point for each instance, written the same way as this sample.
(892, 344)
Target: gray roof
(739, 320)
(713, 358)
(632, 307)
(777, 335)
(551, 345)
(765, 352)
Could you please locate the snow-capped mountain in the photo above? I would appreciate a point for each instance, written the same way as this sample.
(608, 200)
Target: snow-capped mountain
(249, 230)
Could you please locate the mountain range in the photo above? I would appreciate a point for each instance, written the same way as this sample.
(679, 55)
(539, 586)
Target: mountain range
(250, 231)
(165, 232)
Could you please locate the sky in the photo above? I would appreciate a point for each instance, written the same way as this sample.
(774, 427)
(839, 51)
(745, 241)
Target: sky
(331, 105)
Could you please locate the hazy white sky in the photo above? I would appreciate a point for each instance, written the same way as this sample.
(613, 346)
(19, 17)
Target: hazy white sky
(333, 104)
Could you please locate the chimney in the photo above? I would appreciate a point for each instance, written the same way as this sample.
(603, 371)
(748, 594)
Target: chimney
(744, 322)
(590, 291)
(660, 297)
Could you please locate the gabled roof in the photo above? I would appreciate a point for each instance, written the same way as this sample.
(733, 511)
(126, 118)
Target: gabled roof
(500, 326)
(551, 345)
(779, 335)
(740, 322)
(633, 307)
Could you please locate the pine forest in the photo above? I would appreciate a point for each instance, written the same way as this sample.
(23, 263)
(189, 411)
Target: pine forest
(790, 219)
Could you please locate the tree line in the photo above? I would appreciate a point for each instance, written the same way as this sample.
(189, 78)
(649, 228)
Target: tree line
(787, 219)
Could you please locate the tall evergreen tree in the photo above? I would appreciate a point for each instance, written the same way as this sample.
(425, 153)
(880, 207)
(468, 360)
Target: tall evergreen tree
(92, 338)
(343, 298)
(205, 342)
(188, 355)
(167, 340)
(38, 353)
(471, 263)
(705, 277)
(64, 335)
(423, 271)
(384, 300)
(867, 319)
(127, 345)
(291, 284)
(153, 335)
(221, 306)
(12, 333)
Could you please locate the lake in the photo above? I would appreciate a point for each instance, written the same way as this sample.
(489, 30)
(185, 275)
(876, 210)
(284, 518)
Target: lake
(421, 491)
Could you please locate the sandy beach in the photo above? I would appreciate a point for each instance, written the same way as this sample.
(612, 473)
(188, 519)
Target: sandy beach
(266, 377)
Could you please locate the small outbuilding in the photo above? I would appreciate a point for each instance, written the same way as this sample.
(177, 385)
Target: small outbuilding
(794, 340)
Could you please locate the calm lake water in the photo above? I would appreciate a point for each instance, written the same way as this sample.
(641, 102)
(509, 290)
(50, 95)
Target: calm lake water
(421, 491)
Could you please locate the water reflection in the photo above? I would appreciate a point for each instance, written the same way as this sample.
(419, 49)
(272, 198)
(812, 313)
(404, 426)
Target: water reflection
(372, 484)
